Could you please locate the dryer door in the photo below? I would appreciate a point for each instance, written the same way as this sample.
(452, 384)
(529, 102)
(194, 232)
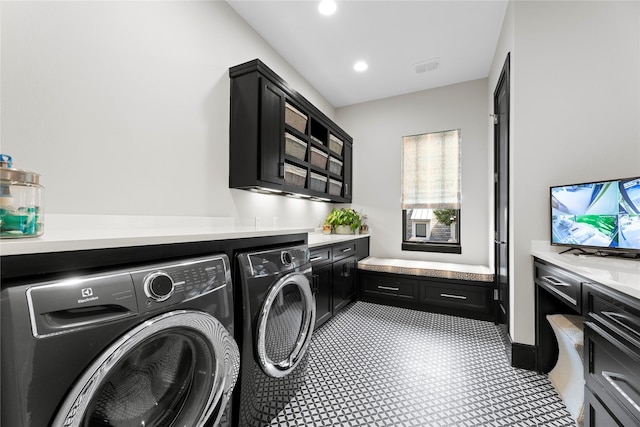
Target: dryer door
(285, 325)
(177, 369)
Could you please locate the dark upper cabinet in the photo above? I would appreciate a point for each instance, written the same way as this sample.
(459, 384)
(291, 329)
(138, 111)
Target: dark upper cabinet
(271, 149)
(279, 142)
(347, 187)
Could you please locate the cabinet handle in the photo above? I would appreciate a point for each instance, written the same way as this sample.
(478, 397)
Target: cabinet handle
(281, 170)
(611, 377)
(346, 250)
(453, 296)
(389, 288)
(315, 258)
(346, 189)
(553, 281)
(620, 319)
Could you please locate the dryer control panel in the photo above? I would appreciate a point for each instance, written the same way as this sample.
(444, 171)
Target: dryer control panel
(65, 305)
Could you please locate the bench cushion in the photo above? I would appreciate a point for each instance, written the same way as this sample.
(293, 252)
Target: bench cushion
(444, 270)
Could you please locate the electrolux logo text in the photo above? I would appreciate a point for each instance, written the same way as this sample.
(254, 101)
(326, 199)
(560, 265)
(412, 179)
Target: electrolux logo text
(87, 296)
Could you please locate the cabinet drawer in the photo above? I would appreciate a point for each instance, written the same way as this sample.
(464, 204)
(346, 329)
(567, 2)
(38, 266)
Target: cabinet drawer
(596, 415)
(344, 250)
(613, 368)
(388, 286)
(469, 297)
(319, 256)
(613, 313)
(567, 286)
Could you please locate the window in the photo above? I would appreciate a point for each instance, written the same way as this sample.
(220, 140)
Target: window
(431, 187)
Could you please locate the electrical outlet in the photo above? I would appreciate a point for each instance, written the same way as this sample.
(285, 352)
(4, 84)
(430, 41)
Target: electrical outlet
(275, 222)
(257, 223)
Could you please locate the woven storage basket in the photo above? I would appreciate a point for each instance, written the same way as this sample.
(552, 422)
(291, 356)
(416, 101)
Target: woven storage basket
(294, 175)
(295, 118)
(335, 166)
(335, 187)
(318, 158)
(318, 140)
(335, 145)
(295, 147)
(318, 182)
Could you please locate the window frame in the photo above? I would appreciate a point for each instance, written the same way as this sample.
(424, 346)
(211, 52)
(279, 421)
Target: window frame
(431, 246)
(442, 247)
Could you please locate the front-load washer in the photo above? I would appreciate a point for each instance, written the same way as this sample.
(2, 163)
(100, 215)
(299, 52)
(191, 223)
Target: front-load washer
(149, 346)
(278, 316)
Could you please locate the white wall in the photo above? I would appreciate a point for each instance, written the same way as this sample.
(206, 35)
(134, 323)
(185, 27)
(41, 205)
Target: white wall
(575, 69)
(378, 127)
(123, 107)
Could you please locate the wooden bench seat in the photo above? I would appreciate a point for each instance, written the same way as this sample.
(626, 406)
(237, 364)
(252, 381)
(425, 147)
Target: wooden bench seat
(443, 270)
(456, 289)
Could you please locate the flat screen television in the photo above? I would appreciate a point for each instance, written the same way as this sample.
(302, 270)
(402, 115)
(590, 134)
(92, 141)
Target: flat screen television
(603, 215)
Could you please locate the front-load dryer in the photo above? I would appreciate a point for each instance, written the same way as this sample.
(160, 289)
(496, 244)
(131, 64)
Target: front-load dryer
(278, 318)
(150, 346)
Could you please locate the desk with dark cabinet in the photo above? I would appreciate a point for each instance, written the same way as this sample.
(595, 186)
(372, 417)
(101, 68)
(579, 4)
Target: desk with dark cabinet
(606, 293)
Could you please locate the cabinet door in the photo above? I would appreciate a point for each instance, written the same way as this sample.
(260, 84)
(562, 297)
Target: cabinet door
(344, 282)
(322, 284)
(346, 186)
(271, 133)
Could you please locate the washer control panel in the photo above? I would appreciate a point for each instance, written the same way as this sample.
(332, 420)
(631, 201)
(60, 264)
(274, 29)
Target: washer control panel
(168, 284)
(61, 306)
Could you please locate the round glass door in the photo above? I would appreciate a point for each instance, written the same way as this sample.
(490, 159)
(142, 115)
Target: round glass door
(176, 369)
(285, 325)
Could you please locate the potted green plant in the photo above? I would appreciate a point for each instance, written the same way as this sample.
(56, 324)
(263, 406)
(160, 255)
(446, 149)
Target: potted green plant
(344, 220)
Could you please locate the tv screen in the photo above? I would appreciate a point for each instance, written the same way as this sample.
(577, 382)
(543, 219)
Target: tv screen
(601, 215)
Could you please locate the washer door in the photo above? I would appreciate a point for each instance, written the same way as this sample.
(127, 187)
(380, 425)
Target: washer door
(285, 325)
(177, 369)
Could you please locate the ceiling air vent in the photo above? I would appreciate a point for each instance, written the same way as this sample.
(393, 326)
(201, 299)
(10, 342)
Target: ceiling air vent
(429, 65)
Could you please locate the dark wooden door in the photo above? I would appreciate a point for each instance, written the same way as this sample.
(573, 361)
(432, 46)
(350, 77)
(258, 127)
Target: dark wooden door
(322, 284)
(344, 282)
(347, 189)
(501, 195)
(271, 133)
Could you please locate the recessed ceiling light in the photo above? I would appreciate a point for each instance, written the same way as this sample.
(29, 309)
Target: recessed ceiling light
(360, 66)
(327, 7)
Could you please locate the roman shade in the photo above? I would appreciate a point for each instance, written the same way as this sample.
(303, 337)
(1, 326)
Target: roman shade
(431, 171)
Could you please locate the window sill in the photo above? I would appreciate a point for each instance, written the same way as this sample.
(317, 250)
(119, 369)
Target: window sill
(432, 247)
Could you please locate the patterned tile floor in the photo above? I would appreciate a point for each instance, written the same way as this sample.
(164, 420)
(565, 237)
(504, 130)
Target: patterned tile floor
(373, 365)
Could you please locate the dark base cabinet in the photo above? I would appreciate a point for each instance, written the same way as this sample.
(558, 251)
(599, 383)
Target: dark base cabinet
(612, 349)
(335, 274)
(447, 296)
(597, 415)
(611, 342)
(322, 277)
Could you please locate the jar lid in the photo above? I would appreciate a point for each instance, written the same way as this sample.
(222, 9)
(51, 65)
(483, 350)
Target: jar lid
(20, 176)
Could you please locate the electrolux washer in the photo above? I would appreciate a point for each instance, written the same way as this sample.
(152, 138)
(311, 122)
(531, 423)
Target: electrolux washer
(279, 313)
(148, 346)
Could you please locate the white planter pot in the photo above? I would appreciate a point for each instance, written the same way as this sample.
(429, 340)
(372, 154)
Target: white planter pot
(343, 229)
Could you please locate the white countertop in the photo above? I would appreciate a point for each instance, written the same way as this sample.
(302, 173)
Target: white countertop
(85, 232)
(620, 274)
(319, 239)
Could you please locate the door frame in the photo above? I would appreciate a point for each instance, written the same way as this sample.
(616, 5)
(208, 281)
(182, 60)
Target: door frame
(499, 181)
